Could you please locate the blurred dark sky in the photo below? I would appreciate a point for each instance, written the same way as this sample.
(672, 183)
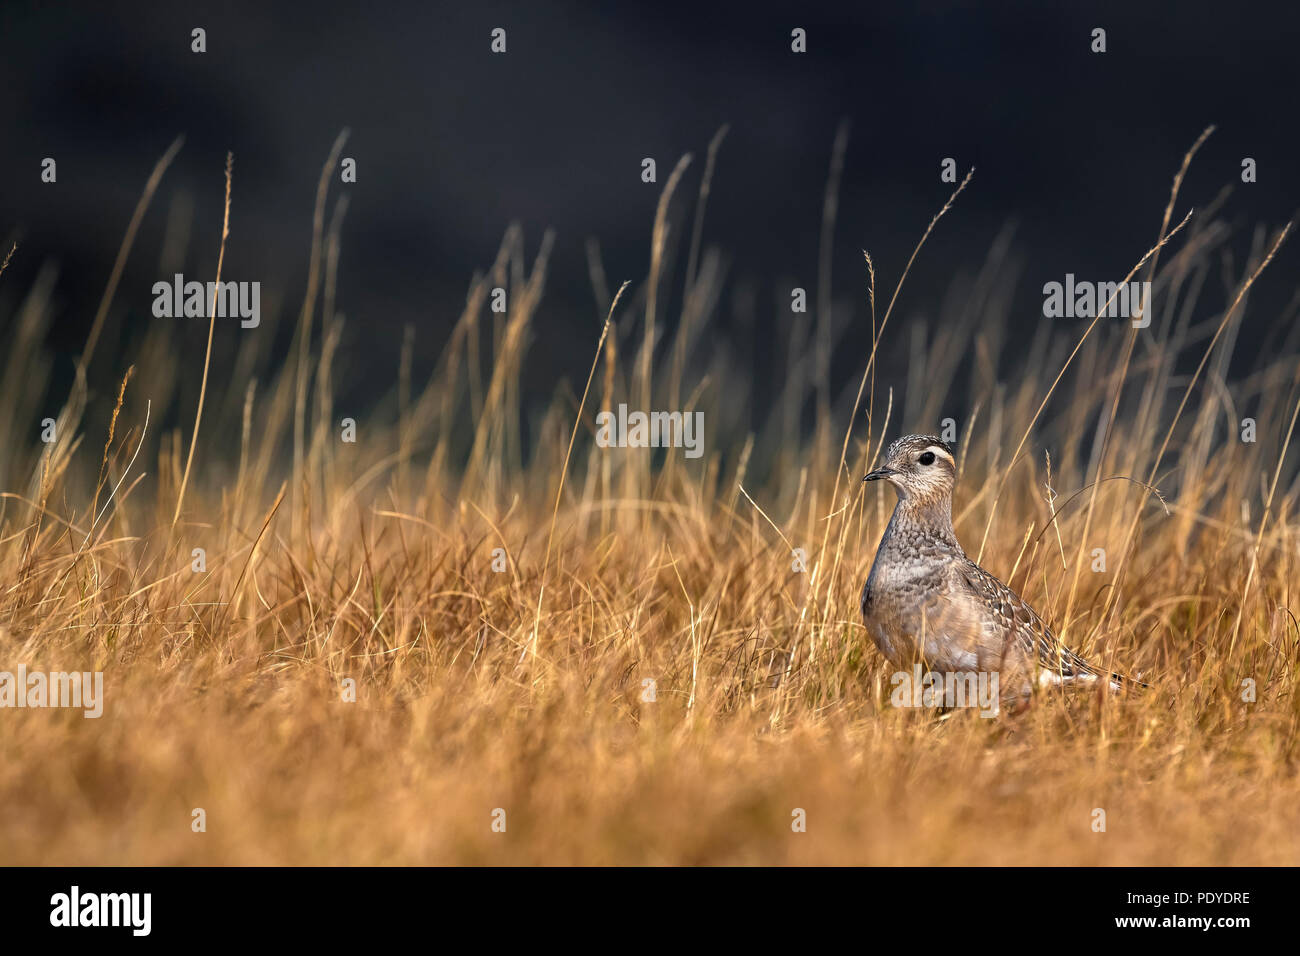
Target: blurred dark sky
(453, 143)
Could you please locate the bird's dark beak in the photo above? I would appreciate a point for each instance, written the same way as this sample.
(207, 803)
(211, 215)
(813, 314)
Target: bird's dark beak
(879, 473)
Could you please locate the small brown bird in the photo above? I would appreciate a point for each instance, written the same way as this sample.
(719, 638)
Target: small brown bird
(926, 602)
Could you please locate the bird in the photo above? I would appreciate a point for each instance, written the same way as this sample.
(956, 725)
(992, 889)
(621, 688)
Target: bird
(925, 602)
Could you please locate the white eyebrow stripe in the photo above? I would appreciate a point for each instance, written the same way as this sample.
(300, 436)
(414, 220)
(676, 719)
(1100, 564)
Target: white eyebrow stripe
(939, 451)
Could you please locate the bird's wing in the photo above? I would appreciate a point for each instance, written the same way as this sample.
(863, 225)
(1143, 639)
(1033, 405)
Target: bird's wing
(1019, 622)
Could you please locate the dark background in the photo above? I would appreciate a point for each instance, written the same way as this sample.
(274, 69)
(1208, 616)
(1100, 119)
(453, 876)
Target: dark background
(453, 143)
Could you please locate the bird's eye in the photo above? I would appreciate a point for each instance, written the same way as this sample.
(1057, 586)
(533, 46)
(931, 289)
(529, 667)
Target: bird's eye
(927, 458)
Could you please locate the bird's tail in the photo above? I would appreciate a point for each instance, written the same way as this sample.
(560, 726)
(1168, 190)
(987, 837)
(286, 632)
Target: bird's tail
(1070, 665)
(1119, 682)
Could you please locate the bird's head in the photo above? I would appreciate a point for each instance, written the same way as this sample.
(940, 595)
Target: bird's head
(920, 467)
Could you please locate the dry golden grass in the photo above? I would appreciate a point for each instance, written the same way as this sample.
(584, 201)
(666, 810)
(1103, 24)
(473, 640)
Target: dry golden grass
(523, 690)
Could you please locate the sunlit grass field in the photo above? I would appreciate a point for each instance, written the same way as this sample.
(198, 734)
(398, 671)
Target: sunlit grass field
(567, 654)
